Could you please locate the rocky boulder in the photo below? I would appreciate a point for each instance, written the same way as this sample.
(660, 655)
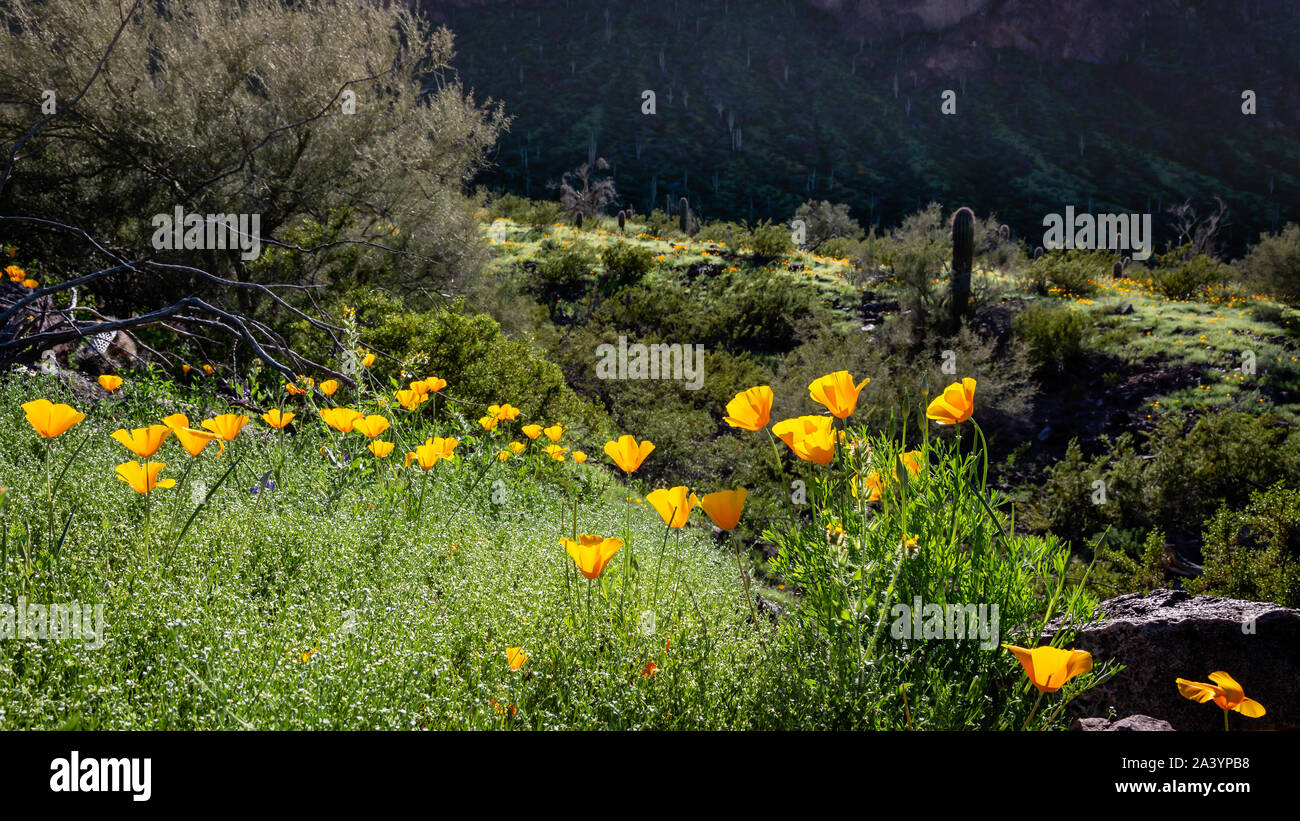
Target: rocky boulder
(1168, 634)
(1130, 724)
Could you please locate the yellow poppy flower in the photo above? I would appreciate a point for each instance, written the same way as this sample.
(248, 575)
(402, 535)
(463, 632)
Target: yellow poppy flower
(208, 370)
(578, 456)
(194, 441)
(674, 505)
(227, 425)
(1225, 692)
(143, 478)
(724, 506)
(380, 448)
(432, 451)
(371, 426)
(554, 432)
(955, 405)
(276, 419)
(488, 422)
(517, 447)
(532, 431)
(51, 420)
(556, 452)
(503, 455)
(515, 657)
(367, 360)
(750, 409)
(837, 393)
(293, 389)
(341, 419)
(329, 386)
(109, 382)
(505, 412)
(812, 438)
(912, 461)
(1049, 668)
(143, 442)
(591, 553)
(410, 399)
(627, 454)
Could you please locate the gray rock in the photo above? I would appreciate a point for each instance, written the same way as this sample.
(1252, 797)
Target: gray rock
(1168, 634)
(1131, 724)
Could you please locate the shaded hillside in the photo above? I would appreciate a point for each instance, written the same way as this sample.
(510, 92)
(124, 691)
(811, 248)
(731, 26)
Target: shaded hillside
(762, 107)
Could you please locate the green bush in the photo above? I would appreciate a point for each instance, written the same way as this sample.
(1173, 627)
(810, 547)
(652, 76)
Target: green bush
(481, 365)
(732, 235)
(625, 264)
(563, 274)
(1177, 276)
(1055, 335)
(1071, 272)
(1273, 265)
(1254, 553)
(768, 242)
(824, 221)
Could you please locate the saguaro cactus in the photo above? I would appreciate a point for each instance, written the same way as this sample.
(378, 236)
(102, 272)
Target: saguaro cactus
(1038, 252)
(963, 255)
(622, 221)
(578, 220)
(1117, 270)
(684, 215)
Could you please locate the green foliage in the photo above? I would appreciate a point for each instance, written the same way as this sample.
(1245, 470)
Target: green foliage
(1178, 276)
(937, 539)
(1055, 335)
(825, 221)
(768, 242)
(1254, 552)
(1273, 264)
(488, 367)
(625, 264)
(563, 273)
(1074, 273)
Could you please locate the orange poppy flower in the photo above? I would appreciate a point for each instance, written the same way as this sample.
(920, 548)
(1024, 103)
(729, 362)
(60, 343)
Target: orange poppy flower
(109, 382)
(410, 399)
(380, 448)
(837, 393)
(329, 386)
(143, 442)
(674, 505)
(1049, 668)
(532, 431)
(750, 409)
(51, 420)
(227, 425)
(554, 432)
(812, 438)
(591, 553)
(955, 405)
(276, 419)
(627, 454)
(515, 657)
(1226, 693)
(371, 426)
(341, 419)
(433, 451)
(724, 507)
(143, 478)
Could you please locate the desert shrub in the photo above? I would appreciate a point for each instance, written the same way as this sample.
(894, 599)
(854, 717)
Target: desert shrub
(481, 365)
(511, 207)
(1070, 272)
(732, 235)
(1177, 276)
(762, 312)
(1174, 479)
(544, 214)
(625, 264)
(1055, 335)
(1127, 563)
(824, 221)
(1254, 552)
(661, 224)
(179, 88)
(768, 242)
(562, 274)
(1273, 265)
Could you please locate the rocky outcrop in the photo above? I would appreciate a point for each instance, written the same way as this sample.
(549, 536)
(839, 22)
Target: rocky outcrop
(1168, 634)
(1130, 724)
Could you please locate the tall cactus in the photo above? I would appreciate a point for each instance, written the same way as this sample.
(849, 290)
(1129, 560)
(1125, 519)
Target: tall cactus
(684, 215)
(963, 255)
(577, 221)
(1117, 270)
(622, 221)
